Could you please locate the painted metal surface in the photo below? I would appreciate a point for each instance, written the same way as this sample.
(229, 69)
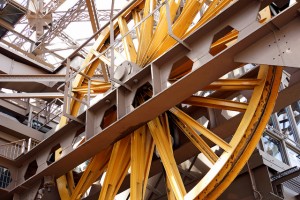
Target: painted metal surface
(203, 62)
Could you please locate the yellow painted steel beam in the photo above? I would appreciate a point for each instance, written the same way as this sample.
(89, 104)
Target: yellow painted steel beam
(196, 140)
(199, 127)
(181, 25)
(222, 104)
(224, 42)
(166, 154)
(142, 147)
(227, 38)
(170, 193)
(96, 83)
(165, 124)
(137, 18)
(233, 84)
(161, 30)
(265, 15)
(94, 89)
(127, 40)
(214, 8)
(96, 167)
(117, 169)
(166, 127)
(146, 30)
(102, 57)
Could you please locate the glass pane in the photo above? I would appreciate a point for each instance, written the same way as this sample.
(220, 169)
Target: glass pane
(296, 111)
(293, 157)
(284, 124)
(272, 147)
(270, 123)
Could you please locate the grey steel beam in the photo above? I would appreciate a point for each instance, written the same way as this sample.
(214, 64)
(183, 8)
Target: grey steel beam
(37, 78)
(44, 95)
(13, 62)
(241, 15)
(11, 29)
(103, 15)
(15, 128)
(32, 78)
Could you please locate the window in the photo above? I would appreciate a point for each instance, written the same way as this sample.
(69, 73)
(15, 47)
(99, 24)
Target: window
(5, 177)
(272, 146)
(2, 4)
(271, 122)
(294, 157)
(296, 111)
(285, 125)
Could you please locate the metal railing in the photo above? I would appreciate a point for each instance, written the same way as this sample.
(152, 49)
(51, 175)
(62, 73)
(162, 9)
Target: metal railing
(14, 149)
(51, 111)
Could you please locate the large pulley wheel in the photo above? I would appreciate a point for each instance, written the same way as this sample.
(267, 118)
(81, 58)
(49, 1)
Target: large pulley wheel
(135, 151)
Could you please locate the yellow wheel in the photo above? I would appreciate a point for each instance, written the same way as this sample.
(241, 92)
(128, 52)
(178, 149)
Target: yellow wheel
(135, 152)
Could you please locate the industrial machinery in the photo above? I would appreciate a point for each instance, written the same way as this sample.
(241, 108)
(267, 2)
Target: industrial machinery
(199, 78)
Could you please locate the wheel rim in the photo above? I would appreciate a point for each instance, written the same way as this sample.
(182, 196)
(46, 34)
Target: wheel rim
(127, 152)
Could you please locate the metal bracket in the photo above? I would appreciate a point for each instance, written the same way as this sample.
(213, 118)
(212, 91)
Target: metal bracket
(74, 118)
(120, 83)
(170, 31)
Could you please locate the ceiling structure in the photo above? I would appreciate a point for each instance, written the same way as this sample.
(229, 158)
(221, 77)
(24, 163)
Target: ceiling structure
(40, 29)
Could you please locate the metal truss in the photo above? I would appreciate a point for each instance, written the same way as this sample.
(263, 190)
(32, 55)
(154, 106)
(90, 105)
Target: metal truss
(58, 27)
(42, 95)
(27, 30)
(61, 20)
(71, 42)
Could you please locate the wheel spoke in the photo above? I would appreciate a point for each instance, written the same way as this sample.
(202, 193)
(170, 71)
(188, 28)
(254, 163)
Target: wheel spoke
(216, 103)
(233, 84)
(127, 40)
(94, 89)
(93, 171)
(102, 58)
(166, 154)
(117, 169)
(214, 8)
(181, 25)
(136, 18)
(165, 124)
(161, 30)
(146, 29)
(199, 127)
(196, 140)
(142, 148)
